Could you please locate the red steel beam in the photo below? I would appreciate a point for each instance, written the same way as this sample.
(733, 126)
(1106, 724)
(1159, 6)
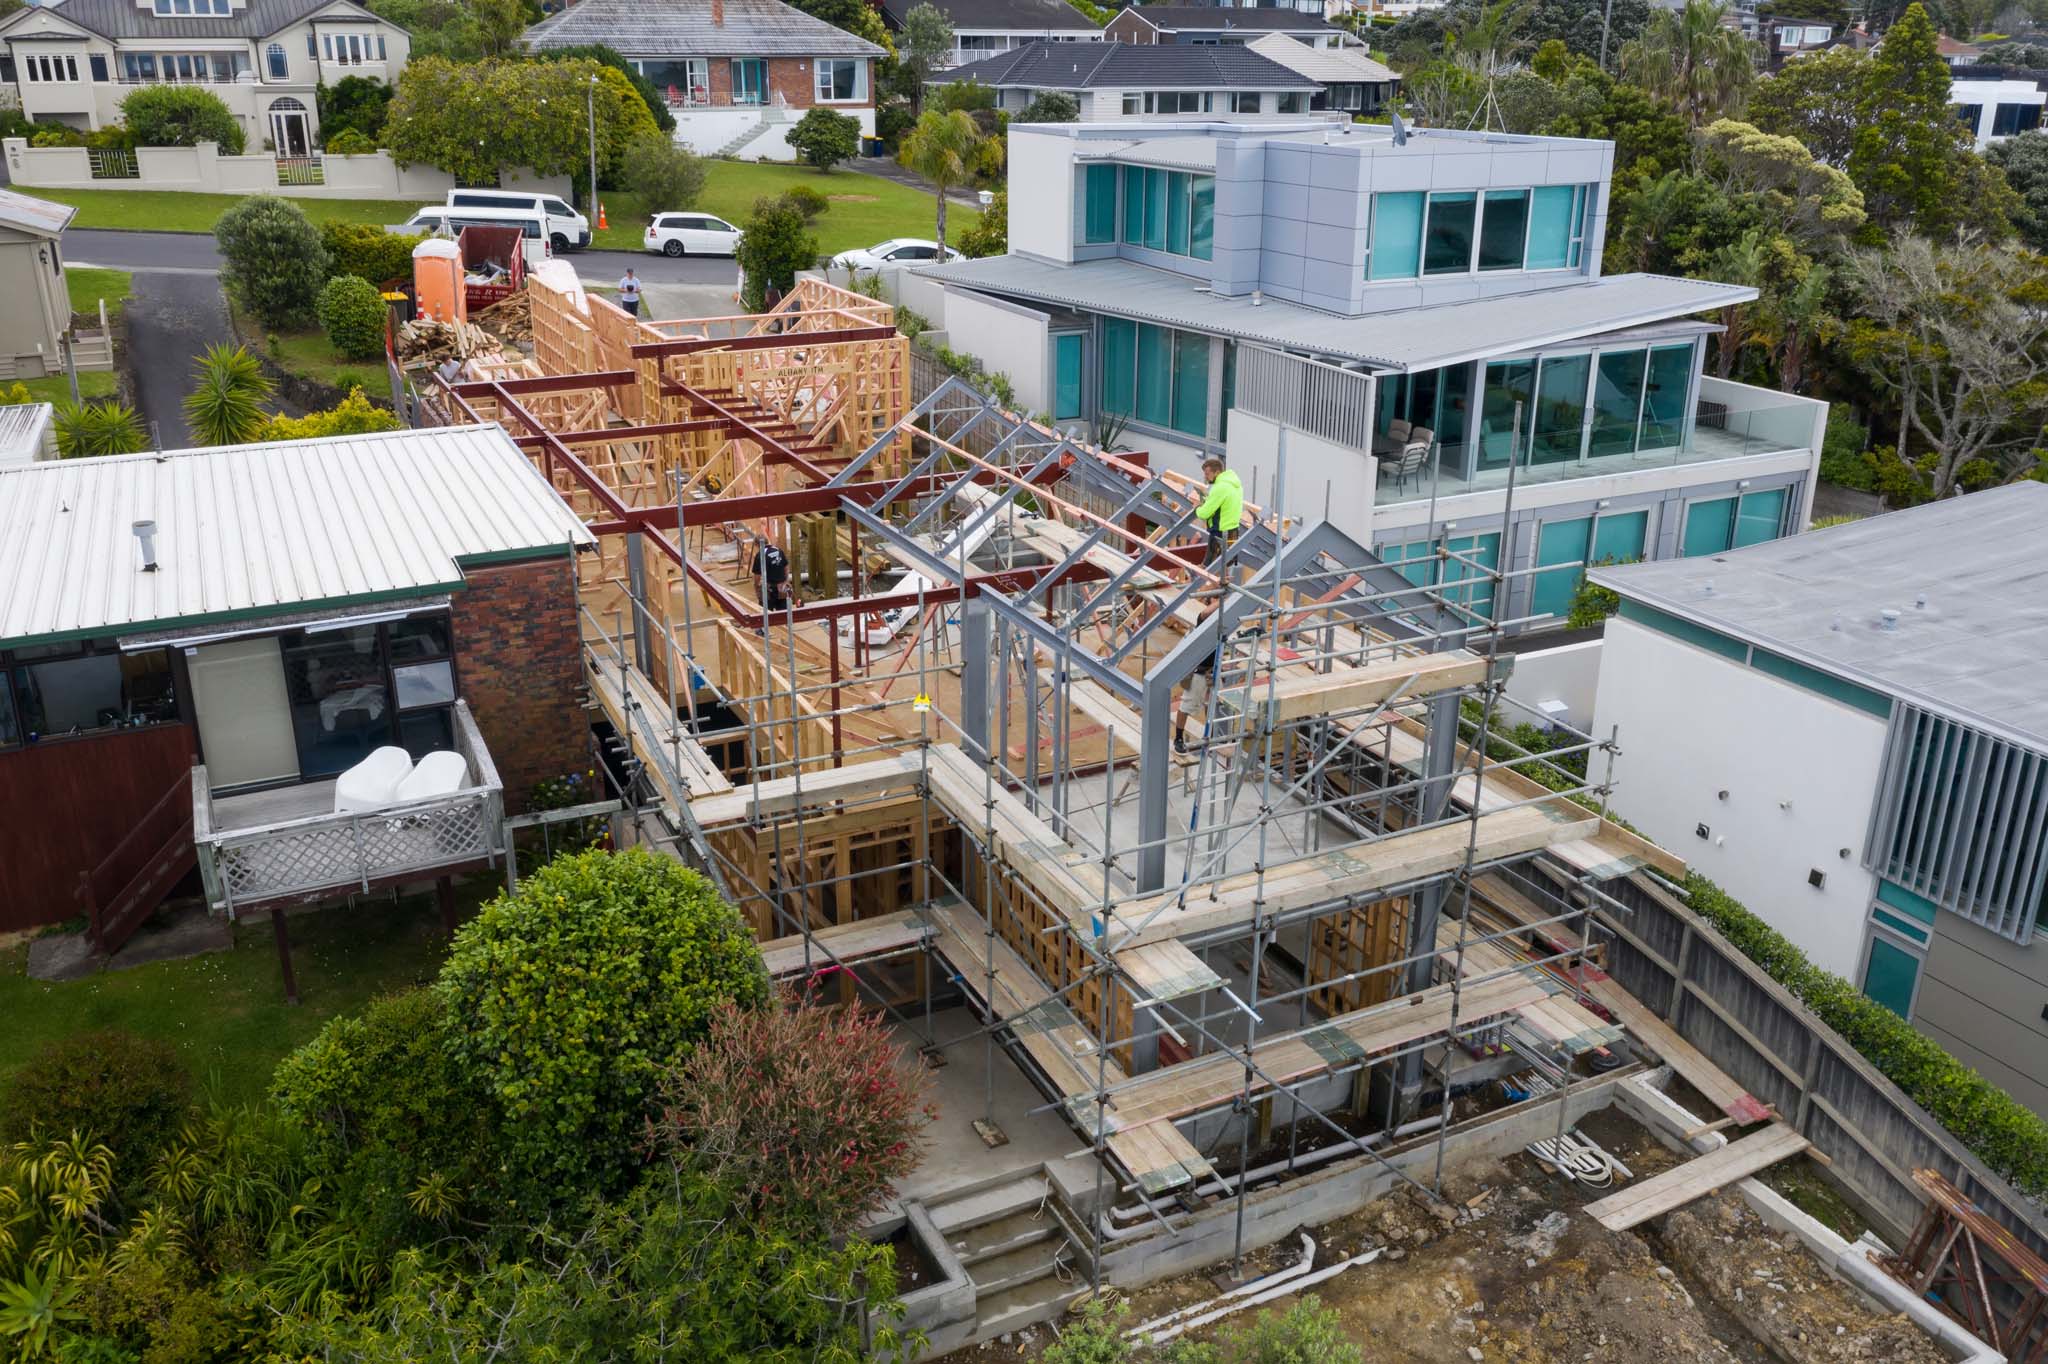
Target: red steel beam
(655, 350)
(547, 383)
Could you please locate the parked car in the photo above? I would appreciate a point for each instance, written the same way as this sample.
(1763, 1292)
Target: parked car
(691, 234)
(895, 251)
(567, 229)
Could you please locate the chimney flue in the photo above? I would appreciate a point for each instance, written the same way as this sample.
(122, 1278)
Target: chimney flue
(718, 12)
(145, 532)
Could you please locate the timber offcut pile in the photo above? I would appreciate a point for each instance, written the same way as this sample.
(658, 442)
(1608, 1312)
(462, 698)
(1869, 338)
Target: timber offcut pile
(430, 340)
(510, 319)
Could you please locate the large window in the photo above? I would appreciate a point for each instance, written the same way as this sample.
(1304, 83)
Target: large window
(1066, 375)
(1098, 191)
(1170, 211)
(360, 687)
(1708, 526)
(50, 70)
(841, 80)
(2009, 120)
(280, 67)
(1726, 523)
(1565, 548)
(62, 691)
(1176, 102)
(1454, 232)
(1155, 375)
(1891, 974)
(1560, 409)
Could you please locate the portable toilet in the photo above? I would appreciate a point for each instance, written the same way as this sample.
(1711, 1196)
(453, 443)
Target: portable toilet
(437, 280)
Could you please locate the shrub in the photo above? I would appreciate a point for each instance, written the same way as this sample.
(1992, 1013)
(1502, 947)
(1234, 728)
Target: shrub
(1051, 106)
(180, 116)
(1842, 458)
(665, 176)
(103, 428)
(1306, 1333)
(577, 991)
(2008, 1137)
(990, 236)
(353, 108)
(227, 406)
(824, 138)
(368, 251)
(274, 262)
(806, 201)
(123, 1090)
(352, 314)
(801, 1110)
(16, 394)
(354, 415)
(350, 142)
(774, 245)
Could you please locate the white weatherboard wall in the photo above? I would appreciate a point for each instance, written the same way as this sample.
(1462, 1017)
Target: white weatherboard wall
(1007, 339)
(749, 134)
(1569, 673)
(1693, 724)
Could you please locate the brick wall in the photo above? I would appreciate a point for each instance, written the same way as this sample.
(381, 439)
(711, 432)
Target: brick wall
(516, 654)
(793, 78)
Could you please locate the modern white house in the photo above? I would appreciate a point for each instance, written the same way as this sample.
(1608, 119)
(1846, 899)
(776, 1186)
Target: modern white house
(1997, 105)
(1385, 309)
(75, 61)
(1118, 81)
(1848, 731)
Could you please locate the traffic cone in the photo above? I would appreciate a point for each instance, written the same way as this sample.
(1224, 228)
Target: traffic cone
(602, 225)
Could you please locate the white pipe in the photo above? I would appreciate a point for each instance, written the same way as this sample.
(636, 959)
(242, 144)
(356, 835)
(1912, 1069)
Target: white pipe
(1258, 1285)
(1280, 1291)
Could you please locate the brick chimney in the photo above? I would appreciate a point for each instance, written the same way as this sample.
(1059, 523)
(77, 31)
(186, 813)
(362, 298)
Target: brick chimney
(718, 12)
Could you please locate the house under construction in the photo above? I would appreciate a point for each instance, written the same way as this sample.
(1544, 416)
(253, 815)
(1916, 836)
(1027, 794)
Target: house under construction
(1188, 995)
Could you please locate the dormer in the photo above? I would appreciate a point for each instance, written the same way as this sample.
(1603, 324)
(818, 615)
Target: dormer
(191, 9)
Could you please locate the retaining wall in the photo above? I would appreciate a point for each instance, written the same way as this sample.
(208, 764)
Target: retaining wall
(203, 170)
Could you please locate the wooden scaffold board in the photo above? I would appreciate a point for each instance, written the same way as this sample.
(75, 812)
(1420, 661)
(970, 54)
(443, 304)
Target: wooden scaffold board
(1676, 1187)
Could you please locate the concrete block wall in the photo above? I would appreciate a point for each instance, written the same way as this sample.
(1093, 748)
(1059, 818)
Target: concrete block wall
(518, 662)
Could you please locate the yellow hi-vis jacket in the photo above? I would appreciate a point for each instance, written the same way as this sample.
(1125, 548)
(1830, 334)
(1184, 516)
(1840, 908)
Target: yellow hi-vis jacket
(1223, 508)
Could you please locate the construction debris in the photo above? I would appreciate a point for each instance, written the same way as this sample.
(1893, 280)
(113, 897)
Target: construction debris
(430, 340)
(510, 320)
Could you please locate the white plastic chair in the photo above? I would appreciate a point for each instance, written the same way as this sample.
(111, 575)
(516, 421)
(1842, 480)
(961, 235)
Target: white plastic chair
(438, 774)
(372, 783)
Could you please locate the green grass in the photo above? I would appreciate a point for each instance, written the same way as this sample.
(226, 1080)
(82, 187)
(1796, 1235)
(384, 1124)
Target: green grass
(152, 210)
(309, 355)
(226, 1012)
(92, 384)
(89, 285)
(865, 208)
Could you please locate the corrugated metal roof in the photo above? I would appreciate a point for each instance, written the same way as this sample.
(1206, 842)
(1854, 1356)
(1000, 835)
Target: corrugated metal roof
(684, 28)
(37, 217)
(1405, 339)
(254, 19)
(1025, 16)
(24, 433)
(1975, 651)
(252, 530)
(1126, 66)
(1325, 64)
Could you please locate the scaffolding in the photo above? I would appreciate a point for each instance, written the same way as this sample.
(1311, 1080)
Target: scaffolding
(960, 757)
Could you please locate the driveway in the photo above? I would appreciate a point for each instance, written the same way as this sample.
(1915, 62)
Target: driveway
(173, 316)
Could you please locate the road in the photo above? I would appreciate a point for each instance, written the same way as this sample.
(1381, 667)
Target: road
(187, 252)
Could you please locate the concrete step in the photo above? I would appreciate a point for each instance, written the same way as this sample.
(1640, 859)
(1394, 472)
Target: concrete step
(1025, 1305)
(1013, 1268)
(984, 1242)
(987, 1204)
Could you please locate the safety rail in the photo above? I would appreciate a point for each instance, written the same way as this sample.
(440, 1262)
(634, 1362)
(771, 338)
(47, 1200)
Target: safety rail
(1307, 395)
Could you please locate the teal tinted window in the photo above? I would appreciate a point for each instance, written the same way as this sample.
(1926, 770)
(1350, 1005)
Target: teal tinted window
(1664, 397)
(1484, 553)
(1508, 382)
(1155, 374)
(1099, 192)
(1617, 401)
(1708, 526)
(1119, 365)
(1899, 926)
(1447, 240)
(1618, 538)
(1413, 560)
(1202, 218)
(1889, 976)
(1559, 542)
(1664, 623)
(1560, 409)
(1155, 209)
(1177, 212)
(1191, 383)
(1396, 236)
(1134, 205)
(1066, 376)
(1899, 898)
(1551, 227)
(1760, 517)
(1501, 230)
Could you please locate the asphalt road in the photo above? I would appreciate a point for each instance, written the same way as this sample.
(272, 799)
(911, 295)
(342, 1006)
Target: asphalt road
(185, 252)
(173, 316)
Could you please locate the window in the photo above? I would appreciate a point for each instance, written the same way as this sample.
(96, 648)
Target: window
(280, 68)
(1396, 247)
(1664, 396)
(1559, 542)
(1969, 114)
(51, 70)
(10, 727)
(1732, 522)
(1155, 375)
(313, 41)
(1891, 974)
(1447, 239)
(360, 687)
(2011, 119)
(1134, 104)
(1759, 517)
(1619, 537)
(1557, 227)
(841, 80)
(1501, 230)
(1098, 195)
(1708, 526)
(1066, 375)
(139, 66)
(1171, 211)
(1479, 557)
(1506, 229)
(1176, 102)
(62, 691)
(749, 80)
(1241, 101)
(1617, 401)
(1560, 409)
(1292, 102)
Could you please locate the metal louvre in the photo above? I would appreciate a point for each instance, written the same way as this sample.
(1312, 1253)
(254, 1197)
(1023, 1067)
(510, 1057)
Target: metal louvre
(1962, 818)
(1322, 400)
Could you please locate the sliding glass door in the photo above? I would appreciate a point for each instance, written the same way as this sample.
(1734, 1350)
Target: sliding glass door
(1558, 436)
(1577, 407)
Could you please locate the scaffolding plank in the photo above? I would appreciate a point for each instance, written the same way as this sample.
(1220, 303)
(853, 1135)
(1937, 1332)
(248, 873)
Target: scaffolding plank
(1659, 1194)
(1166, 970)
(1102, 709)
(1702, 1074)
(1353, 873)
(1021, 840)
(657, 738)
(897, 773)
(1299, 693)
(847, 943)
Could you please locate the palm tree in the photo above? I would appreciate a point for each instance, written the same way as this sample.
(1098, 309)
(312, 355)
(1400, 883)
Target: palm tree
(87, 429)
(941, 148)
(1692, 61)
(1745, 261)
(227, 406)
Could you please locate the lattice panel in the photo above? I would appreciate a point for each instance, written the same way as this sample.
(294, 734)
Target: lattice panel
(350, 850)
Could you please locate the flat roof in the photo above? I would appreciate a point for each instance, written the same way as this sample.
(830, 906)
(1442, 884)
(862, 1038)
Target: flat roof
(1415, 338)
(1976, 650)
(247, 531)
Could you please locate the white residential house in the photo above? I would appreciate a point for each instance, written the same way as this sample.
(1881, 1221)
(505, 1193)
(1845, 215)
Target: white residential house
(1995, 105)
(1386, 308)
(1848, 732)
(984, 28)
(1351, 81)
(74, 61)
(1118, 81)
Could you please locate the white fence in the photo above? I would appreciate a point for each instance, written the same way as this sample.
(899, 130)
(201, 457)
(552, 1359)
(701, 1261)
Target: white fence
(203, 170)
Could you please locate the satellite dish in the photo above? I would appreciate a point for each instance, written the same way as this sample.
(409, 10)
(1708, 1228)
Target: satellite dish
(1400, 127)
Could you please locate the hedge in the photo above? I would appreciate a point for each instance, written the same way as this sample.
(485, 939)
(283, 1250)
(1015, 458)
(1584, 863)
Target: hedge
(2004, 1134)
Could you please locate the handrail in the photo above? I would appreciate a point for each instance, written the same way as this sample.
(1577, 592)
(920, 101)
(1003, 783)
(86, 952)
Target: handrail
(146, 821)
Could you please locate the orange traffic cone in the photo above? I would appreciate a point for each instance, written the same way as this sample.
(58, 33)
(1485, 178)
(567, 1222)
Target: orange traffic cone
(602, 225)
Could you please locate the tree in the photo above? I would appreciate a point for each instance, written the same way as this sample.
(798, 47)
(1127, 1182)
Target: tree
(800, 1109)
(499, 25)
(1815, 202)
(1907, 151)
(439, 28)
(655, 100)
(273, 262)
(353, 315)
(924, 46)
(1649, 139)
(665, 176)
(942, 148)
(1834, 12)
(775, 243)
(1691, 61)
(855, 16)
(1956, 335)
(2024, 162)
(353, 104)
(2026, 56)
(181, 116)
(1050, 106)
(824, 138)
(1817, 99)
(990, 235)
(103, 428)
(226, 406)
(118, 1087)
(1574, 23)
(575, 992)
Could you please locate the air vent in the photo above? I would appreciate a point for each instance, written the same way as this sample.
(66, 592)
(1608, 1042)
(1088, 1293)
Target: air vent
(1703, 831)
(1817, 878)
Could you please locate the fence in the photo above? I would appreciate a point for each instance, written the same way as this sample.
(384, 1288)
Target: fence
(1322, 400)
(203, 170)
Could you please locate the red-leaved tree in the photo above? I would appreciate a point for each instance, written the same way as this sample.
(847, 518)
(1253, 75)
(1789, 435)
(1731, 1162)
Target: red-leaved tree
(806, 1112)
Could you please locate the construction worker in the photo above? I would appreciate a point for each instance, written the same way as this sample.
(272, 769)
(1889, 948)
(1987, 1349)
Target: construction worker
(1222, 508)
(770, 569)
(1194, 693)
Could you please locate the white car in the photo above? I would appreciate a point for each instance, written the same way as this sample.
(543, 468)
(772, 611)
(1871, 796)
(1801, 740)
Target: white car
(691, 234)
(895, 251)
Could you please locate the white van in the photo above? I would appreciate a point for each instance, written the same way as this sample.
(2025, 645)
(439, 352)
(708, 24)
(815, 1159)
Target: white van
(443, 221)
(568, 230)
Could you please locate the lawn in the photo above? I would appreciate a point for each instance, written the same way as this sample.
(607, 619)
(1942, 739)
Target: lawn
(310, 355)
(226, 1012)
(147, 210)
(88, 286)
(55, 388)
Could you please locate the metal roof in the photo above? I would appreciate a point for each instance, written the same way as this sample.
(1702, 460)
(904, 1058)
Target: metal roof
(37, 217)
(24, 432)
(1416, 338)
(1327, 64)
(1125, 66)
(251, 530)
(686, 28)
(1975, 650)
(254, 19)
(1209, 18)
(976, 16)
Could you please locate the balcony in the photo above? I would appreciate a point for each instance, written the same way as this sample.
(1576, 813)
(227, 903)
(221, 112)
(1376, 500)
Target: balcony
(262, 849)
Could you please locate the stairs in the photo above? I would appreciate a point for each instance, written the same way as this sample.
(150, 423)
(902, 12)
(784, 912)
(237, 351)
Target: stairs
(770, 117)
(115, 906)
(1017, 1244)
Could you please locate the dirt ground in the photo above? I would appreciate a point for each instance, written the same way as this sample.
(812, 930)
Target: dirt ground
(1510, 1269)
